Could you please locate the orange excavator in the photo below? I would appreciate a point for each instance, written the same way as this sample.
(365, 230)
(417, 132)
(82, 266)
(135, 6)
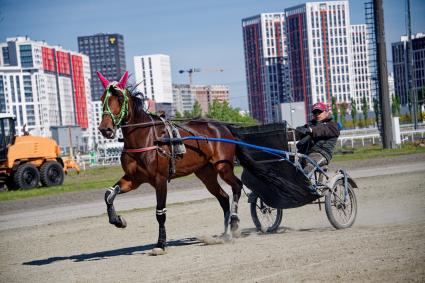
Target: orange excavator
(28, 161)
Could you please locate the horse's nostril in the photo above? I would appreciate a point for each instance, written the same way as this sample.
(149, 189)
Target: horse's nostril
(106, 131)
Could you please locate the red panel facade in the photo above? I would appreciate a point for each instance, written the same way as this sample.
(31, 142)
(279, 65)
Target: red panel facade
(48, 56)
(64, 67)
(79, 91)
(297, 57)
(252, 34)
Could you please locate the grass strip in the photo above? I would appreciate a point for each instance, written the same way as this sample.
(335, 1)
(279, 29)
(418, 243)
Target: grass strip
(376, 151)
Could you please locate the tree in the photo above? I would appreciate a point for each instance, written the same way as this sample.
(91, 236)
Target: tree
(187, 114)
(196, 110)
(353, 111)
(395, 105)
(178, 115)
(343, 111)
(365, 110)
(409, 102)
(421, 101)
(334, 109)
(222, 111)
(376, 110)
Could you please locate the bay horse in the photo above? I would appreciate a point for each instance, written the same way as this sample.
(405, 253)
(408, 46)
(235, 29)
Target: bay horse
(145, 161)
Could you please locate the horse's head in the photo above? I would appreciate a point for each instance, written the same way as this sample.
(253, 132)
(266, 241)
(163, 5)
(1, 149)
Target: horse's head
(114, 105)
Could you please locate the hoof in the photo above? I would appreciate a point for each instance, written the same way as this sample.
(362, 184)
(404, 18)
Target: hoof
(234, 223)
(121, 223)
(263, 229)
(157, 251)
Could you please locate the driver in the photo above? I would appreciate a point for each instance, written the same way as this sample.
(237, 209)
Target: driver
(317, 139)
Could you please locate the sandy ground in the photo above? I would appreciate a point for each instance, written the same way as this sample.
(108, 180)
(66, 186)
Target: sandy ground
(387, 243)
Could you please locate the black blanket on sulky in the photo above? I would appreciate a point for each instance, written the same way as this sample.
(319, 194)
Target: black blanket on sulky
(279, 183)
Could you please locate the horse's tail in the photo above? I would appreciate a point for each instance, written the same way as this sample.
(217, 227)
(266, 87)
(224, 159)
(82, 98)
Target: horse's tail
(234, 130)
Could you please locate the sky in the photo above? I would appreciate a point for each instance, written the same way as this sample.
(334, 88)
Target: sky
(204, 34)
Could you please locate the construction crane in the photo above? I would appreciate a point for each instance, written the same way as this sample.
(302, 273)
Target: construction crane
(198, 70)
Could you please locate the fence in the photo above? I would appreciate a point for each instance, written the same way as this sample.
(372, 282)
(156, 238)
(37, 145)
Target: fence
(97, 161)
(354, 138)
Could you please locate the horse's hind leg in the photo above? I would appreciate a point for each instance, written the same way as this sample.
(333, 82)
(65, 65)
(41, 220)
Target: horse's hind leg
(161, 200)
(208, 176)
(122, 186)
(225, 170)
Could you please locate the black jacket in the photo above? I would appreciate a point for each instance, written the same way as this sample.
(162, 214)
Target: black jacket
(322, 139)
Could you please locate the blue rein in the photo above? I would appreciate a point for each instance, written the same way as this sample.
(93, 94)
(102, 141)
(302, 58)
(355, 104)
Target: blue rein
(280, 153)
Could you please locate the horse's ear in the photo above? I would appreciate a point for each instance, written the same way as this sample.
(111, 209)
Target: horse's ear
(123, 81)
(104, 81)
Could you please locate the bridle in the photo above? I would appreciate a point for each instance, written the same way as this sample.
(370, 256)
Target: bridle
(116, 119)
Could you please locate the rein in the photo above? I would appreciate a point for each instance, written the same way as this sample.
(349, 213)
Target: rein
(144, 124)
(143, 149)
(118, 119)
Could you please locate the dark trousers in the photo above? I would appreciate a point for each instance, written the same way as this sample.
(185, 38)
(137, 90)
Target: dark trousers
(319, 158)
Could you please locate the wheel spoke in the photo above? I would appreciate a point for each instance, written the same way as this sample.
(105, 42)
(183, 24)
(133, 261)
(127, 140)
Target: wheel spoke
(343, 210)
(266, 214)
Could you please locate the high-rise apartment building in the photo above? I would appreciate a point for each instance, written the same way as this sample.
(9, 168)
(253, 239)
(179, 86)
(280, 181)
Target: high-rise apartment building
(107, 55)
(184, 96)
(401, 64)
(44, 86)
(361, 82)
(153, 76)
(319, 50)
(266, 66)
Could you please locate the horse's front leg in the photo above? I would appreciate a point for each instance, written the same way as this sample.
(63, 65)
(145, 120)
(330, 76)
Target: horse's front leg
(122, 186)
(161, 200)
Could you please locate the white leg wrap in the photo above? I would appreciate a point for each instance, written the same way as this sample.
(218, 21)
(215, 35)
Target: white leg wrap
(161, 211)
(234, 207)
(113, 192)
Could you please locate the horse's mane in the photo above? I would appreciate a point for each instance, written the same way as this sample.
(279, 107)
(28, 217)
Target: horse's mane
(138, 98)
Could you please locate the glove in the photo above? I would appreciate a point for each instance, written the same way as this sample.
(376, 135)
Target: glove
(303, 130)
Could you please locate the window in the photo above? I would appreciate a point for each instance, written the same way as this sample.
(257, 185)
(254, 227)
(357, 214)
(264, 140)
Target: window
(28, 89)
(26, 55)
(5, 51)
(2, 96)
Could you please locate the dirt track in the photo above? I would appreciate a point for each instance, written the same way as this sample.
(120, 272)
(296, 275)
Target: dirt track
(387, 243)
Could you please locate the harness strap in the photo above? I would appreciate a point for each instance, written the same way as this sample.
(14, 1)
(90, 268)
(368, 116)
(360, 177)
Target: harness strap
(143, 149)
(172, 162)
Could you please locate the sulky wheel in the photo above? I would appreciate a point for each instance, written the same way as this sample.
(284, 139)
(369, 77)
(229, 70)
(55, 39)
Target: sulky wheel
(341, 208)
(51, 174)
(265, 218)
(27, 176)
